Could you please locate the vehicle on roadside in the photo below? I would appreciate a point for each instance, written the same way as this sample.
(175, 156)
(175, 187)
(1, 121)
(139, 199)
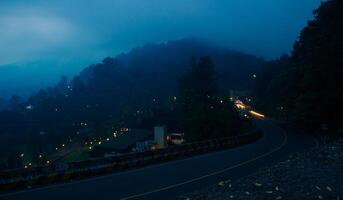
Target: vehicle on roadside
(175, 138)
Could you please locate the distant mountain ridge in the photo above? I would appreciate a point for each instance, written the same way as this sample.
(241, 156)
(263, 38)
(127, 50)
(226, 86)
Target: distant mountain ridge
(138, 89)
(172, 59)
(141, 84)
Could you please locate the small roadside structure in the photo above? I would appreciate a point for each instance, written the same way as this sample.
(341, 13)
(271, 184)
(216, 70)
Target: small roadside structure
(160, 136)
(162, 139)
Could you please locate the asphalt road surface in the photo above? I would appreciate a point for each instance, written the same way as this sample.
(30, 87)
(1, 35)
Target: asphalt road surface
(172, 179)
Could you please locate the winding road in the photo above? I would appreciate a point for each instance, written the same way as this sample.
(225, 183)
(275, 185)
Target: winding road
(172, 179)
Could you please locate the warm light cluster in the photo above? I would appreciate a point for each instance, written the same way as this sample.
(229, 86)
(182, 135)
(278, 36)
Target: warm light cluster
(240, 106)
(256, 114)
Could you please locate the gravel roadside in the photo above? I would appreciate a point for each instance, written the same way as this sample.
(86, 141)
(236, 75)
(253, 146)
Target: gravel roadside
(313, 174)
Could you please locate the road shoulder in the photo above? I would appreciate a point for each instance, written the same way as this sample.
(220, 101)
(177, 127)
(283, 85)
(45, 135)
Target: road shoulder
(312, 174)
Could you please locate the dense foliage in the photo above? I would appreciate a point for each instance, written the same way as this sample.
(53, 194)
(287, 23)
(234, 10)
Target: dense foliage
(139, 90)
(207, 114)
(308, 87)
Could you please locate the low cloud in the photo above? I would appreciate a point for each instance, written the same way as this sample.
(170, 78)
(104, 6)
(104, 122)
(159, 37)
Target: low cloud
(25, 35)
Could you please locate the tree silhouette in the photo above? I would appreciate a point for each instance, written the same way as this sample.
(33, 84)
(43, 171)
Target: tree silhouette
(206, 116)
(308, 89)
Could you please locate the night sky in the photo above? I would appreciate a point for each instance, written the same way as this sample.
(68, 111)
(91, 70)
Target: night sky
(62, 37)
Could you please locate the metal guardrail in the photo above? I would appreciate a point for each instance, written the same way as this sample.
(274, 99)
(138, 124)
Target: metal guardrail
(23, 178)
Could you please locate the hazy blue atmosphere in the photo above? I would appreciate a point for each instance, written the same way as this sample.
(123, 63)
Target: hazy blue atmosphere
(120, 99)
(41, 40)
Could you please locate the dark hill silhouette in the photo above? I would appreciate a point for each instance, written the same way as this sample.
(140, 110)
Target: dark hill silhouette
(138, 89)
(144, 79)
(164, 63)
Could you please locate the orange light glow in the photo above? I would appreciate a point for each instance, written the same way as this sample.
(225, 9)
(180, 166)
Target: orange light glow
(153, 147)
(256, 114)
(240, 106)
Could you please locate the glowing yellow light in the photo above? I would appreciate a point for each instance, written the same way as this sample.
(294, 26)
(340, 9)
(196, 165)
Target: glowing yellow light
(108, 139)
(221, 101)
(99, 142)
(48, 162)
(90, 148)
(22, 155)
(63, 145)
(40, 156)
(240, 106)
(256, 114)
(25, 166)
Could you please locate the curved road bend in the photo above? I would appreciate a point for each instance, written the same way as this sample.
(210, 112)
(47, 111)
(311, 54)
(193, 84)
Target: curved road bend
(172, 179)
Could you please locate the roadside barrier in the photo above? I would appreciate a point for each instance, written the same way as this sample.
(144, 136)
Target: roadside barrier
(27, 178)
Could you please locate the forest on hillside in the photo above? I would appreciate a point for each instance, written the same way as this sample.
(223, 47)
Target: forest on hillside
(140, 89)
(307, 86)
(184, 84)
